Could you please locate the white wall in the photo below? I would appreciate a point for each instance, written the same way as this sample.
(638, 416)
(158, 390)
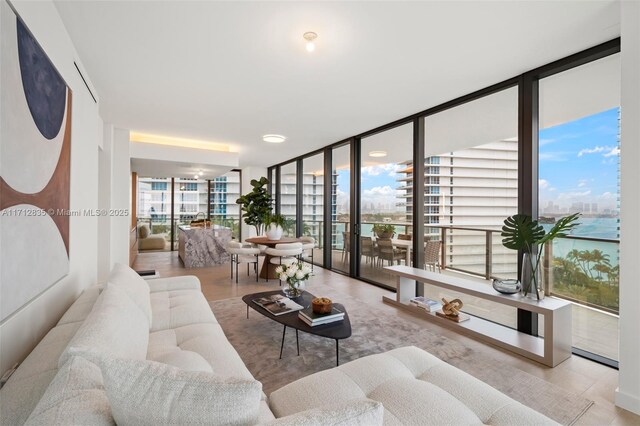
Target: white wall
(628, 393)
(120, 197)
(21, 332)
(249, 173)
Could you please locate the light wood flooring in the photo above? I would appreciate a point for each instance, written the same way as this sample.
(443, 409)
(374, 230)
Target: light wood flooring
(591, 380)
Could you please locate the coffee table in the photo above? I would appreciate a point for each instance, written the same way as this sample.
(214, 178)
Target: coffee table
(338, 330)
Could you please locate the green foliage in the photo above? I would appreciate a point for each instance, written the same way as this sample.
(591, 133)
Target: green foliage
(383, 228)
(276, 219)
(256, 205)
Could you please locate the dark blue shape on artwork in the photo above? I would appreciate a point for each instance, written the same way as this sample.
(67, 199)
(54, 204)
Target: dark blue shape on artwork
(44, 89)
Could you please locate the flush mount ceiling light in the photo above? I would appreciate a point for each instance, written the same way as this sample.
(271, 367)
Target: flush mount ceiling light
(377, 154)
(274, 138)
(310, 37)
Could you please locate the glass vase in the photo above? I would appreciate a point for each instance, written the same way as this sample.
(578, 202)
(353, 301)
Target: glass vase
(294, 289)
(530, 277)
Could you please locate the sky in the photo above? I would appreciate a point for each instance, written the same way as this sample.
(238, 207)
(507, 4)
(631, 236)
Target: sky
(578, 162)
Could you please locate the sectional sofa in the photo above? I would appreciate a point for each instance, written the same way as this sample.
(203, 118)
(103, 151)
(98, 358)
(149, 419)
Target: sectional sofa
(151, 352)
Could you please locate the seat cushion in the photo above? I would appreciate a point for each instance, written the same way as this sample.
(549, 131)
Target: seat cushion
(183, 282)
(415, 388)
(364, 413)
(207, 340)
(177, 308)
(150, 393)
(75, 396)
(115, 326)
(185, 360)
(134, 286)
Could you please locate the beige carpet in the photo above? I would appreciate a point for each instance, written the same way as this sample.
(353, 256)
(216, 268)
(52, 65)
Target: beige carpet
(257, 340)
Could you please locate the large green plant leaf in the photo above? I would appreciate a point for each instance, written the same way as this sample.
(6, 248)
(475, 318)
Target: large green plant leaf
(561, 228)
(520, 232)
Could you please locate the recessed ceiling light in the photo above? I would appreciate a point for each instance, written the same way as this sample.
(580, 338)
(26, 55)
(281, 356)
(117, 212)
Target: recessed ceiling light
(196, 176)
(310, 37)
(274, 138)
(377, 154)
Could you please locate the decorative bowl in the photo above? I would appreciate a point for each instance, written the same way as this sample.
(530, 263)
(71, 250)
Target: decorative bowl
(507, 286)
(321, 305)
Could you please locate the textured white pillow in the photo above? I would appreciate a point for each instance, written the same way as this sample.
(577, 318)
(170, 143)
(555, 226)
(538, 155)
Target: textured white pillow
(75, 396)
(134, 285)
(150, 393)
(365, 412)
(114, 327)
(185, 360)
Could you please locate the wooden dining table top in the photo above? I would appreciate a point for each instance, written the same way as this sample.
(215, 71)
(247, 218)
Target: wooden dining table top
(264, 241)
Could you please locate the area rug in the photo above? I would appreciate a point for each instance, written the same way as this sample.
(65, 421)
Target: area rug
(257, 340)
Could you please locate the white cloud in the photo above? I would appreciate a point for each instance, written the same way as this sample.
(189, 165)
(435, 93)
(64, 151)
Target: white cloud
(389, 168)
(543, 183)
(615, 151)
(383, 191)
(594, 150)
(576, 194)
(608, 196)
(582, 183)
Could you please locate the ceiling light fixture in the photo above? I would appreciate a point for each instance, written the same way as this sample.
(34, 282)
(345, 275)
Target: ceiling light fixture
(274, 138)
(310, 37)
(377, 154)
(196, 176)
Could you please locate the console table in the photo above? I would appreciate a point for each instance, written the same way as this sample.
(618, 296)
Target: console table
(551, 350)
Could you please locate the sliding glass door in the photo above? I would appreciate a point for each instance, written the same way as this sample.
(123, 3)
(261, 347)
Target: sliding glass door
(313, 203)
(341, 208)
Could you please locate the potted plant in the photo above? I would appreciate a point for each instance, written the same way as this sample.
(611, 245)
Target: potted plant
(256, 205)
(385, 231)
(275, 226)
(521, 232)
(295, 275)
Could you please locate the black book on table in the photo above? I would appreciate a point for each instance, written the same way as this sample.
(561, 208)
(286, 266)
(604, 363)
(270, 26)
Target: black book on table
(312, 316)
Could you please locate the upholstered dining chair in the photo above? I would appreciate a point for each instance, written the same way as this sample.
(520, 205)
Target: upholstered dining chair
(308, 244)
(243, 253)
(283, 254)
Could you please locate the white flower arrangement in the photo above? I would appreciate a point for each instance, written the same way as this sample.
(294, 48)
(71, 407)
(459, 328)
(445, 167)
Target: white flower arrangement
(294, 273)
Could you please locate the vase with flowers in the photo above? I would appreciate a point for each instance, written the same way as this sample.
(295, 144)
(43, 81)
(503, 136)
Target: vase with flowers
(295, 276)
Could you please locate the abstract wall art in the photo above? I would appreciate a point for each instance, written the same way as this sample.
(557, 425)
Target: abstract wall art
(35, 167)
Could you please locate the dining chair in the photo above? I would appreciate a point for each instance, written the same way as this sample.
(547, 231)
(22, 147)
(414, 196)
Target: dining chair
(432, 254)
(367, 249)
(308, 245)
(283, 254)
(242, 253)
(386, 251)
(346, 245)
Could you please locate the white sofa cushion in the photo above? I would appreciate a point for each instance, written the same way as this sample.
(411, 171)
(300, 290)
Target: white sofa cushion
(75, 396)
(80, 309)
(413, 385)
(134, 285)
(353, 413)
(185, 360)
(183, 282)
(115, 326)
(177, 308)
(207, 340)
(150, 393)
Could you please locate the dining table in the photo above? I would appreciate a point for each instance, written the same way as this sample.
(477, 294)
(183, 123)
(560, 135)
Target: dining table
(265, 241)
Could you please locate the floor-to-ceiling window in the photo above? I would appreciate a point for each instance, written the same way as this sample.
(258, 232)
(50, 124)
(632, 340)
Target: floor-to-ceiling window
(385, 202)
(223, 193)
(340, 207)
(313, 203)
(579, 149)
(288, 198)
(154, 213)
(470, 188)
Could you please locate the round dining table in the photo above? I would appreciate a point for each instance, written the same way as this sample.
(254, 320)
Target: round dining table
(264, 241)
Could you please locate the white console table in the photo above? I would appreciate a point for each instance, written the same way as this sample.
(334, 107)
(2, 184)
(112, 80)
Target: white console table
(551, 350)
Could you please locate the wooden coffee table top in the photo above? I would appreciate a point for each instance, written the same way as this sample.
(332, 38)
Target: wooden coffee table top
(337, 330)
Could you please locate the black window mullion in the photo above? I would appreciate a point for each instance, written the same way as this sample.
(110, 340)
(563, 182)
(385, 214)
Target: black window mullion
(354, 213)
(299, 197)
(418, 197)
(328, 208)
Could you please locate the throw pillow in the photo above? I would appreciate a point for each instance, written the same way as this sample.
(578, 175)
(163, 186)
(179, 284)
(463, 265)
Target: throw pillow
(150, 393)
(115, 326)
(360, 412)
(134, 285)
(74, 396)
(144, 231)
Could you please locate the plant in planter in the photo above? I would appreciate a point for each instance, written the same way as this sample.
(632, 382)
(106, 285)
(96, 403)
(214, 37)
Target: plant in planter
(256, 205)
(521, 232)
(383, 230)
(275, 226)
(295, 275)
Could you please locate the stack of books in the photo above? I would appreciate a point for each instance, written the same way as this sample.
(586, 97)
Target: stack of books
(308, 316)
(428, 305)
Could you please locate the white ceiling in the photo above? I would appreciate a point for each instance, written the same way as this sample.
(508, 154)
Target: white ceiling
(231, 72)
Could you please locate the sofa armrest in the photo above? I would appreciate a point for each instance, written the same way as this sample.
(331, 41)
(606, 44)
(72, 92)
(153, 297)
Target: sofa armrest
(185, 282)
